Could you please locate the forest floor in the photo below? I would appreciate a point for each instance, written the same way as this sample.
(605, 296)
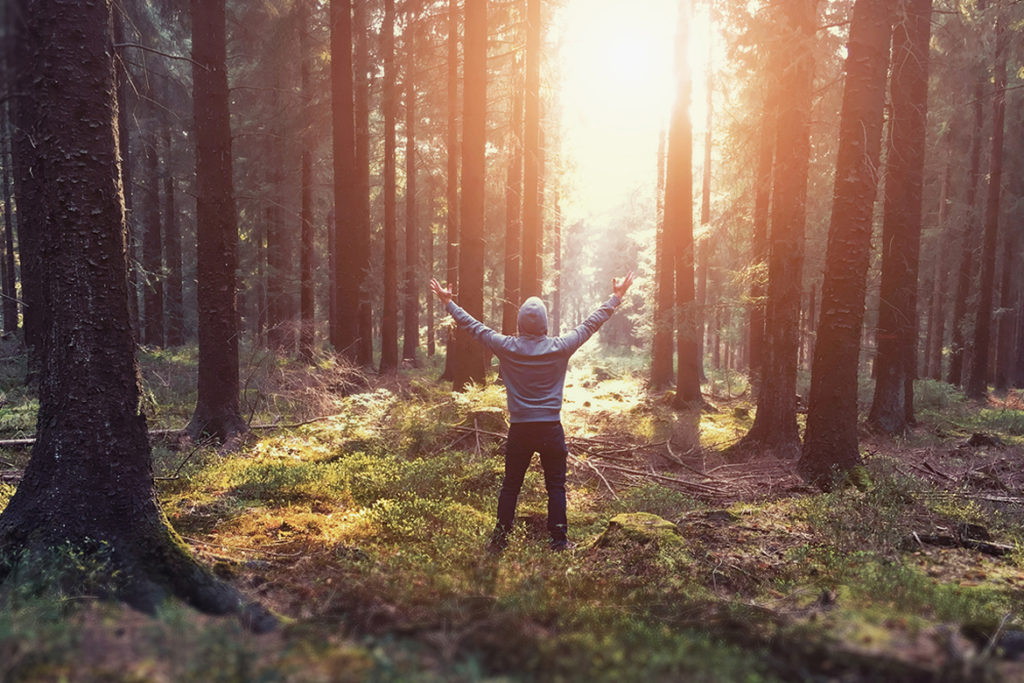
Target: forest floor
(360, 508)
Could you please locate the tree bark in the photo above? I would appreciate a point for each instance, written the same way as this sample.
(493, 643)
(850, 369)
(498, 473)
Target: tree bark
(10, 303)
(452, 178)
(664, 292)
(679, 221)
(531, 280)
(469, 362)
(152, 249)
(389, 316)
(348, 271)
(513, 214)
(307, 294)
(361, 243)
(775, 421)
(759, 243)
(124, 116)
(830, 440)
(89, 482)
(217, 408)
(173, 286)
(977, 383)
(896, 359)
(411, 312)
(937, 315)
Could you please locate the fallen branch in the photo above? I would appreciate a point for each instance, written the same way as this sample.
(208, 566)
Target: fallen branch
(598, 473)
(949, 541)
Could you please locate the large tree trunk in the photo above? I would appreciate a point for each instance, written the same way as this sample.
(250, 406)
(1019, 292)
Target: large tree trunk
(775, 421)
(531, 280)
(389, 316)
(452, 179)
(411, 308)
(124, 115)
(469, 360)
(977, 383)
(361, 243)
(830, 441)
(307, 298)
(217, 409)
(664, 288)
(348, 271)
(152, 249)
(896, 358)
(89, 482)
(679, 221)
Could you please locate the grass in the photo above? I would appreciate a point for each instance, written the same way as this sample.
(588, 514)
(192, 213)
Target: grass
(367, 530)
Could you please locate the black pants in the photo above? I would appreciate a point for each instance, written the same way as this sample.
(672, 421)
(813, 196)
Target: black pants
(525, 439)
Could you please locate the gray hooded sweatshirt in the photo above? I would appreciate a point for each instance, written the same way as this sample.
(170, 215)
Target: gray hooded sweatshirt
(533, 364)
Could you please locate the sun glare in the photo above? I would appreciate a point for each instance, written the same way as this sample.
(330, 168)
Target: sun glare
(616, 91)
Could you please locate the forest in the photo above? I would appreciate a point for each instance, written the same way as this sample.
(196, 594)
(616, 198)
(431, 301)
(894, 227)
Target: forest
(265, 378)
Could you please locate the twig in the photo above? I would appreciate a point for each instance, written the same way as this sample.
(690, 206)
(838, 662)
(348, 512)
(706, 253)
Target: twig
(994, 640)
(242, 548)
(598, 473)
(200, 445)
(7, 464)
(682, 482)
(679, 461)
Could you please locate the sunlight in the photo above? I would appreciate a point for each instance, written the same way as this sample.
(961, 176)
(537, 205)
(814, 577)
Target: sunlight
(616, 92)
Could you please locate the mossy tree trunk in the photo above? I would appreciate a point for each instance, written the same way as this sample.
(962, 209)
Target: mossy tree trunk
(89, 482)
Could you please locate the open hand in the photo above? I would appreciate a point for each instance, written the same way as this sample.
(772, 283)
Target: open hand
(620, 285)
(445, 295)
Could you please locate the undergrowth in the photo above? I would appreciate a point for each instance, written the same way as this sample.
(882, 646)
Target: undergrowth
(367, 529)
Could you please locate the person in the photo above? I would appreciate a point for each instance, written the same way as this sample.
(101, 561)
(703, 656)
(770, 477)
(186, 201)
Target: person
(532, 366)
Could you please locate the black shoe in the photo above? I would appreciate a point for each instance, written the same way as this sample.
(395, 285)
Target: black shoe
(560, 544)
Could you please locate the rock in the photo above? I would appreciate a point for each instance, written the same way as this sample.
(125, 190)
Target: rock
(641, 528)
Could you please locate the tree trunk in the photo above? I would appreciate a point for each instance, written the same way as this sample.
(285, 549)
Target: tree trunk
(389, 316)
(530, 282)
(89, 482)
(348, 271)
(452, 186)
(513, 214)
(679, 221)
(152, 249)
(469, 361)
(556, 249)
(971, 226)
(937, 314)
(173, 287)
(411, 313)
(1007, 319)
(977, 383)
(307, 300)
(664, 288)
(217, 409)
(896, 359)
(775, 421)
(10, 292)
(280, 322)
(830, 441)
(361, 243)
(122, 77)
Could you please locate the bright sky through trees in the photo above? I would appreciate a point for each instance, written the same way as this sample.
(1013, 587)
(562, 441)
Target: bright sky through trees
(616, 91)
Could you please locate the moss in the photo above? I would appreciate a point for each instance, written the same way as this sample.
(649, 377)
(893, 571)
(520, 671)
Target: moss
(639, 527)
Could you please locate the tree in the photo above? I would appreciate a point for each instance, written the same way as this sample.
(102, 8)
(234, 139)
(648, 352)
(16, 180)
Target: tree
(89, 482)
(452, 180)
(217, 409)
(759, 243)
(664, 290)
(389, 316)
(513, 215)
(531, 279)
(307, 303)
(10, 303)
(892, 407)
(977, 383)
(830, 440)
(678, 231)
(469, 360)
(411, 309)
(348, 268)
(152, 248)
(775, 421)
(174, 295)
(361, 242)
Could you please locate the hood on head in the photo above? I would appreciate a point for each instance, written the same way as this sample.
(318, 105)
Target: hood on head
(533, 317)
